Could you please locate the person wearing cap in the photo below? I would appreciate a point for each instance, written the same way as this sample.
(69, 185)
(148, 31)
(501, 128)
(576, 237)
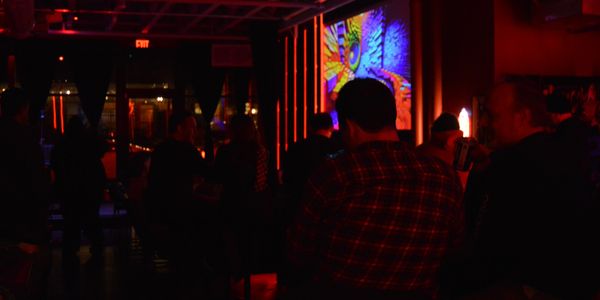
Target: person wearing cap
(445, 132)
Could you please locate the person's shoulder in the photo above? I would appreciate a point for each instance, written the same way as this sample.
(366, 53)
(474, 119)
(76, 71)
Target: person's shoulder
(432, 164)
(161, 146)
(340, 165)
(164, 148)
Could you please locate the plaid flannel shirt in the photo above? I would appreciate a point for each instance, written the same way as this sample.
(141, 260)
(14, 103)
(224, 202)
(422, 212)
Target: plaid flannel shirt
(379, 218)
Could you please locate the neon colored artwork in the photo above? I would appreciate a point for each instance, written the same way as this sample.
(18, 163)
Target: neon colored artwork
(374, 45)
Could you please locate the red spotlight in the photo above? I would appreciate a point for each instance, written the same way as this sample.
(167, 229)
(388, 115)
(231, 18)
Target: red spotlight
(75, 18)
(61, 58)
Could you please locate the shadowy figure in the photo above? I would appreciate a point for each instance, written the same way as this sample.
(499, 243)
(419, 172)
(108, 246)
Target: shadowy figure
(241, 167)
(80, 184)
(302, 158)
(300, 161)
(172, 213)
(24, 254)
(532, 232)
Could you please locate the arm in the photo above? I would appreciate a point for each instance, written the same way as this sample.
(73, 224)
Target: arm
(320, 194)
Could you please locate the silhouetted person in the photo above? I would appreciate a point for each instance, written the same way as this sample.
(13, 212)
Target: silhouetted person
(241, 167)
(572, 134)
(176, 166)
(444, 134)
(533, 230)
(300, 161)
(80, 182)
(23, 190)
(378, 220)
(303, 157)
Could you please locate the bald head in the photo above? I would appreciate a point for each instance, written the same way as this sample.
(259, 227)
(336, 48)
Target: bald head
(516, 110)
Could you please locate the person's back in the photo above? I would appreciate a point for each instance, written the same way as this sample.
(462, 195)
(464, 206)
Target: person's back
(303, 158)
(576, 192)
(77, 161)
(171, 212)
(390, 218)
(378, 220)
(80, 182)
(174, 166)
(241, 168)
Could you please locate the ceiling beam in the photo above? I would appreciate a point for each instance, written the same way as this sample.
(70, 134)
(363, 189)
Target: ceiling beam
(199, 18)
(309, 14)
(113, 21)
(297, 12)
(265, 3)
(143, 13)
(157, 17)
(114, 34)
(233, 23)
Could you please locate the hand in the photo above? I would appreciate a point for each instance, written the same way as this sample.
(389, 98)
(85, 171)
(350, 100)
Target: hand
(480, 156)
(28, 248)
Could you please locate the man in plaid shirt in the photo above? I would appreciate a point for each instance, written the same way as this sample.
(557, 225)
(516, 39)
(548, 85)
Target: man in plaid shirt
(377, 221)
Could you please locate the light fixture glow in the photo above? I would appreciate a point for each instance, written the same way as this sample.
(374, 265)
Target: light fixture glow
(464, 122)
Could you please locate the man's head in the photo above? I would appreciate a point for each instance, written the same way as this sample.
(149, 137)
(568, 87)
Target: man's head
(558, 106)
(14, 103)
(445, 132)
(182, 126)
(367, 111)
(322, 124)
(516, 110)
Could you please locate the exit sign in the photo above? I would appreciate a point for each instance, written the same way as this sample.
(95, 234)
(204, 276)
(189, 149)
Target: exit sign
(142, 43)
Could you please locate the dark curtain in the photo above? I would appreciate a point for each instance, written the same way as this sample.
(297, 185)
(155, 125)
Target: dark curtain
(35, 62)
(267, 56)
(4, 52)
(207, 83)
(92, 69)
(240, 81)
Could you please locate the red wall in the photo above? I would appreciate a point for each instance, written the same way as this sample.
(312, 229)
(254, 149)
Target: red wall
(525, 49)
(468, 52)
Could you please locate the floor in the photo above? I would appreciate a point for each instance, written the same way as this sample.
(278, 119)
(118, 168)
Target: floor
(125, 274)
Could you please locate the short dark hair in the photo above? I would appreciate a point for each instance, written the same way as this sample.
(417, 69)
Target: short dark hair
(321, 121)
(445, 122)
(12, 101)
(558, 103)
(529, 96)
(368, 102)
(177, 118)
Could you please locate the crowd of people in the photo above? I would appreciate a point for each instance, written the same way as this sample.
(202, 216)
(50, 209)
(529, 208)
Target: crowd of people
(365, 216)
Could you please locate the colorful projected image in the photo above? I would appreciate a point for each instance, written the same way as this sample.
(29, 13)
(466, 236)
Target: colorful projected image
(373, 44)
